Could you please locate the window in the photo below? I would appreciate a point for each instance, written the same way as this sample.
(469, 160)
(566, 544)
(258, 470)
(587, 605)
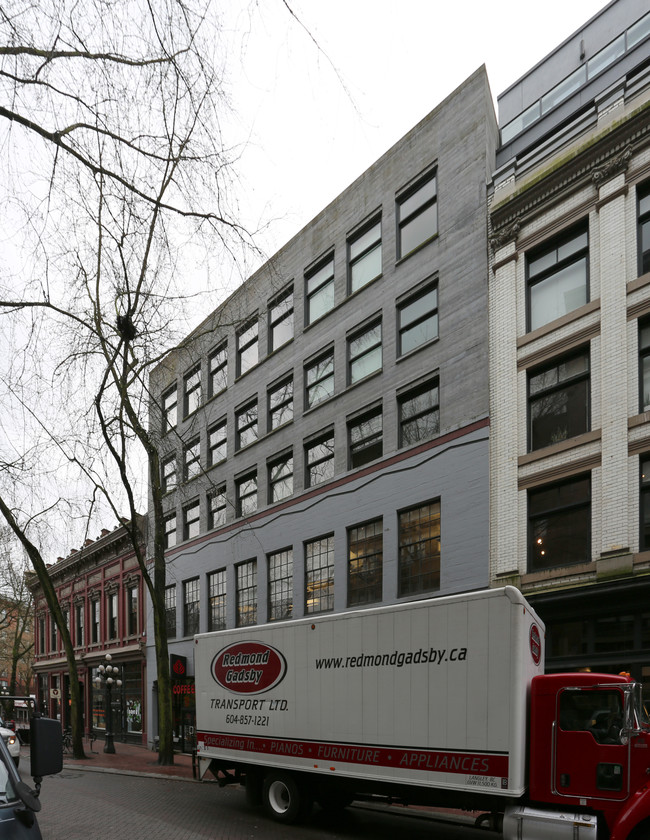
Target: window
(79, 624)
(170, 531)
(364, 257)
(280, 585)
(281, 403)
(364, 353)
(246, 575)
(170, 409)
(319, 291)
(319, 380)
(247, 348)
(319, 460)
(191, 523)
(170, 611)
(246, 494)
(417, 320)
(41, 635)
(111, 615)
(558, 277)
(559, 524)
(644, 365)
(218, 371)
(132, 610)
(644, 228)
(217, 508)
(281, 321)
(417, 215)
(191, 607)
(217, 443)
(365, 557)
(217, 600)
(365, 438)
(169, 474)
(53, 634)
(95, 621)
(558, 400)
(192, 391)
(281, 478)
(319, 575)
(644, 502)
(246, 424)
(192, 456)
(419, 414)
(419, 549)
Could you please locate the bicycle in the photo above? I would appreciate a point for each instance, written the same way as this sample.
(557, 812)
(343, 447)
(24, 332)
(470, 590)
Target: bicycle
(67, 741)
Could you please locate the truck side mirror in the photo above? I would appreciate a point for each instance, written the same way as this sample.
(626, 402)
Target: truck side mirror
(46, 750)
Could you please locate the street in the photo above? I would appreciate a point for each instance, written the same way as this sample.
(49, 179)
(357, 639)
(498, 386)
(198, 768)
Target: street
(80, 804)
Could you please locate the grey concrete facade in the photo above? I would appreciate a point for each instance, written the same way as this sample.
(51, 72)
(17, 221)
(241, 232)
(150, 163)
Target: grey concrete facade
(447, 464)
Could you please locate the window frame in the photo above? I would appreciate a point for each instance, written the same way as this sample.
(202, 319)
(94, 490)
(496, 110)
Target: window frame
(192, 391)
(312, 579)
(219, 493)
(79, 623)
(280, 582)
(169, 409)
(132, 609)
(570, 511)
(246, 573)
(413, 584)
(244, 345)
(643, 226)
(357, 356)
(112, 615)
(217, 600)
(169, 477)
(363, 593)
(95, 621)
(367, 442)
(170, 611)
(644, 494)
(240, 498)
(406, 215)
(218, 371)
(280, 406)
(277, 321)
(323, 286)
(310, 464)
(420, 319)
(246, 422)
(283, 462)
(192, 459)
(169, 531)
(367, 249)
(310, 387)
(192, 526)
(409, 395)
(191, 606)
(222, 442)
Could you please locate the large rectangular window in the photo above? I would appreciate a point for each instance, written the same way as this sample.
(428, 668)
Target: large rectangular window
(132, 600)
(192, 459)
(644, 502)
(644, 228)
(192, 391)
(319, 460)
(364, 353)
(419, 549)
(419, 413)
(218, 370)
(191, 520)
(558, 277)
(79, 623)
(364, 257)
(217, 600)
(246, 489)
(281, 403)
(644, 365)
(247, 348)
(217, 508)
(170, 531)
(365, 437)
(417, 215)
(191, 607)
(559, 524)
(111, 615)
(319, 291)
(281, 477)
(169, 474)
(280, 585)
(217, 443)
(365, 561)
(558, 400)
(170, 409)
(246, 425)
(319, 575)
(417, 319)
(170, 611)
(281, 321)
(95, 621)
(319, 379)
(246, 576)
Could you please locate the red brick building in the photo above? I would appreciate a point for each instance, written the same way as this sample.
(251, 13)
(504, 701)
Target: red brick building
(101, 593)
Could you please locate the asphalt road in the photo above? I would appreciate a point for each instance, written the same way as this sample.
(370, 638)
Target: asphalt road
(79, 804)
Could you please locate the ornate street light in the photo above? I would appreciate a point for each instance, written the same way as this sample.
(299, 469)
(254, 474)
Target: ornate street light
(107, 676)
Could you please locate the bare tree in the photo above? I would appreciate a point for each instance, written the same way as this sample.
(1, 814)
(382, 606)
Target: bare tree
(119, 183)
(16, 620)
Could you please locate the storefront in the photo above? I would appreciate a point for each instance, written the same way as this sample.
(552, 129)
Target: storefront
(183, 705)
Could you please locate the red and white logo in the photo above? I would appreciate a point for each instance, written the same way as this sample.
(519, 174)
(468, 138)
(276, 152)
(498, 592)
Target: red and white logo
(535, 644)
(249, 667)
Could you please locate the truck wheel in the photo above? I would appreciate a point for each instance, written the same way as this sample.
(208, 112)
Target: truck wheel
(284, 799)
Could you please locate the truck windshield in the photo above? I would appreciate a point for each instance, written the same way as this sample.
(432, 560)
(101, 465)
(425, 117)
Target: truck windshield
(640, 708)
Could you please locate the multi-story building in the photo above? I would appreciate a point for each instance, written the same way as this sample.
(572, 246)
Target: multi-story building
(325, 431)
(100, 590)
(569, 317)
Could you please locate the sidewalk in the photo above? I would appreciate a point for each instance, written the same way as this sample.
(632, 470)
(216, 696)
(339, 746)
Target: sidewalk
(130, 759)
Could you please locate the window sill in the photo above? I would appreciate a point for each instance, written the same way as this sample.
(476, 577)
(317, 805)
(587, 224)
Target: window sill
(417, 249)
(405, 356)
(552, 326)
(556, 448)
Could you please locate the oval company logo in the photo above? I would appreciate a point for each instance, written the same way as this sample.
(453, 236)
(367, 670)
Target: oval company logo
(249, 667)
(535, 644)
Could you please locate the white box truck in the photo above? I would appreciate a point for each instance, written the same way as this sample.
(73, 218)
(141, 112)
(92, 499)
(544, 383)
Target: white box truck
(440, 701)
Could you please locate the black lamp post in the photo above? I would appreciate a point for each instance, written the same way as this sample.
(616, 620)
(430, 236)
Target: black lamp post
(107, 676)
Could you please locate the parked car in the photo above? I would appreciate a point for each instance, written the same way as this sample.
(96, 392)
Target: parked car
(11, 740)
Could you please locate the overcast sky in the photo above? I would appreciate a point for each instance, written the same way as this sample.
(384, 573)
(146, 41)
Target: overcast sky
(317, 120)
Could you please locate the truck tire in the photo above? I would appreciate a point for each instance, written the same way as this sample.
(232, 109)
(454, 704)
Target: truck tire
(284, 798)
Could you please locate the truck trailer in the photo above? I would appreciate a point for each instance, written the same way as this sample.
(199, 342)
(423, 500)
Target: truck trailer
(439, 702)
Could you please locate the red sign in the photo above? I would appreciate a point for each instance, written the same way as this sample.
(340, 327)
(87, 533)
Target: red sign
(535, 644)
(249, 667)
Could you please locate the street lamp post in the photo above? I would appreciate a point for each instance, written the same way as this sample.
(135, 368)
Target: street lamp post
(107, 676)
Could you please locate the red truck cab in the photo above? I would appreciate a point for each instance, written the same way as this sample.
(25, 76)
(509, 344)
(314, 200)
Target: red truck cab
(590, 748)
